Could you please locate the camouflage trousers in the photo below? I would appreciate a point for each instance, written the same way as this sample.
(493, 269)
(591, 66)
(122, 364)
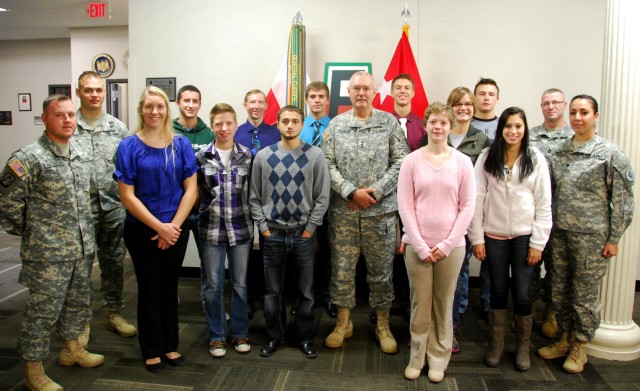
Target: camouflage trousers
(111, 251)
(577, 269)
(349, 235)
(60, 294)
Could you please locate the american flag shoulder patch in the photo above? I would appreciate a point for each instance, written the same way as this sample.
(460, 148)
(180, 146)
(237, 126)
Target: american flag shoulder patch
(17, 168)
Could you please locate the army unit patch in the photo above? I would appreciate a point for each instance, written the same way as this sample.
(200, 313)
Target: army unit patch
(629, 175)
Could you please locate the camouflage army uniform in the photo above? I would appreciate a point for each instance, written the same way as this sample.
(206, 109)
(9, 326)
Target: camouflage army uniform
(45, 199)
(363, 154)
(108, 212)
(546, 141)
(592, 204)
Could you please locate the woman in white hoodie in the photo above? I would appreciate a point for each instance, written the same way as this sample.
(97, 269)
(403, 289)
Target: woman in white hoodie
(510, 227)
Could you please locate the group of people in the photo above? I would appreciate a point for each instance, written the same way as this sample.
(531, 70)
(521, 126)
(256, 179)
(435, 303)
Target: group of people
(459, 181)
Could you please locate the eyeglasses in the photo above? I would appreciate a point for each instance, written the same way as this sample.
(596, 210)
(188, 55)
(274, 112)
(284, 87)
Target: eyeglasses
(554, 103)
(458, 105)
(360, 88)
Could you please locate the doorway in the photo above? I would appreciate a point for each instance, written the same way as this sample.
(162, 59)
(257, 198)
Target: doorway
(117, 99)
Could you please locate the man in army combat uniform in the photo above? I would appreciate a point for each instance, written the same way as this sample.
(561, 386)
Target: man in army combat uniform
(100, 134)
(364, 148)
(44, 197)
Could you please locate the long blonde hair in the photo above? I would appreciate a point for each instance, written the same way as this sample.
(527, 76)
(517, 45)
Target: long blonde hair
(166, 131)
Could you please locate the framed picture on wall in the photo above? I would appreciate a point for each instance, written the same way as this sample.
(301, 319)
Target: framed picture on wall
(5, 118)
(336, 76)
(166, 84)
(62, 89)
(24, 102)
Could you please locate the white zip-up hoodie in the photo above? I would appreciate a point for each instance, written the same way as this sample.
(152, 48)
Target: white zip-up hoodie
(513, 208)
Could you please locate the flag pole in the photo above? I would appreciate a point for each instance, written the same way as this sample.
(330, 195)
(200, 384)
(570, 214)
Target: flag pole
(406, 14)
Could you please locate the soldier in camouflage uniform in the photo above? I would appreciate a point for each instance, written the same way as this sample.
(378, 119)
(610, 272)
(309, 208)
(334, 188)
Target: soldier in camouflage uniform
(545, 137)
(592, 206)
(364, 148)
(45, 199)
(100, 134)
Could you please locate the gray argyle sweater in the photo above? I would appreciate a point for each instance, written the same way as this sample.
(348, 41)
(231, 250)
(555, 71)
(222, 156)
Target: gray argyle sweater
(289, 188)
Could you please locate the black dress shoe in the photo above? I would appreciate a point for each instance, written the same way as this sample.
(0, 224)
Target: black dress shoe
(332, 310)
(292, 311)
(176, 362)
(155, 368)
(309, 349)
(270, 348)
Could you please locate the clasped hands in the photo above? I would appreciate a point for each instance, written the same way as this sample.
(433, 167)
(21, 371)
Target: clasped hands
(362, 199)
(435, 256)
(168, 235)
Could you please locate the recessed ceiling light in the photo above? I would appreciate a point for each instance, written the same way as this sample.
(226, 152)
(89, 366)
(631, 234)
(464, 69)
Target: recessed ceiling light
(3, 10)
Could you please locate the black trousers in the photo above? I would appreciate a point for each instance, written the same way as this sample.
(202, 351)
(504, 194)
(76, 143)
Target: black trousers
(157, 272)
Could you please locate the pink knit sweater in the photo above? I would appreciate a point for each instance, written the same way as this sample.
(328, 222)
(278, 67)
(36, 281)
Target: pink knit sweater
(436, 204)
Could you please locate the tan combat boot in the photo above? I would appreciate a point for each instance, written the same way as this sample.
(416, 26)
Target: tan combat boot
(383, 334)
(118, 324)
(72, 353)
(37, 380)
(549, 323)
(577, 358)
(558, 349)
(344, 329)
(83, 339)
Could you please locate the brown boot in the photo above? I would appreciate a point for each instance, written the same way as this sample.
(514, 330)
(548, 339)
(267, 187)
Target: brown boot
(523, 335)
(83, 339)
(497, 325)
(577, 358)
(558, 349)
(383, 334)
(344, 329)
(72, 353)
(37, 380)
(549, 323)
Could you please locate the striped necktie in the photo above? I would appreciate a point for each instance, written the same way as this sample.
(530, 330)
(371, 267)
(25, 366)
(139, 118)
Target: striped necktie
(317, 137)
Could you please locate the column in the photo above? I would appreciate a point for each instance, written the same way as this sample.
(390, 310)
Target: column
(618, 337)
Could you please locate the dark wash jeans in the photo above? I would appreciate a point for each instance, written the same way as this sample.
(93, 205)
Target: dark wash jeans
(277, 247)
(503, 255)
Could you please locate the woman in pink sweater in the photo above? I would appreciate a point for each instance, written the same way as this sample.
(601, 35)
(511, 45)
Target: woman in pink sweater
(436, 200)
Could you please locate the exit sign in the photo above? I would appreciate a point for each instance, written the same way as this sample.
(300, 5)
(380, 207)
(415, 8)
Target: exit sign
(97, 10)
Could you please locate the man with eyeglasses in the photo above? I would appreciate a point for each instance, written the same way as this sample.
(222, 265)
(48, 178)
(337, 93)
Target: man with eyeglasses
(551, 132)
(255, 134)
(364, 148)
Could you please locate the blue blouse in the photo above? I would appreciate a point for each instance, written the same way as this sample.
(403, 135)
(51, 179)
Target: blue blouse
(155, 173)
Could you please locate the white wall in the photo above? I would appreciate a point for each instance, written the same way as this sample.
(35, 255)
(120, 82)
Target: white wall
(86, 43)
(227, 48)
(28, 66)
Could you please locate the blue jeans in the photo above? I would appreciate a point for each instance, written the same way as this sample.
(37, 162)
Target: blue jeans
(502, 255)
(277, 247)
(214, 258)
(485, 287)
(461, 297)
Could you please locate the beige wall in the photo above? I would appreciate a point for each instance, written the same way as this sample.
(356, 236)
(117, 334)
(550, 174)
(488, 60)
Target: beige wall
(28, 67)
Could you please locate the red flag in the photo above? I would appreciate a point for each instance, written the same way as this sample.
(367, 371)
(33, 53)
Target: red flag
(402, 62)
(277, 96)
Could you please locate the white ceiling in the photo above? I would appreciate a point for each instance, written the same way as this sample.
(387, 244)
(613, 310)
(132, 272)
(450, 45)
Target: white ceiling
(41, 19)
